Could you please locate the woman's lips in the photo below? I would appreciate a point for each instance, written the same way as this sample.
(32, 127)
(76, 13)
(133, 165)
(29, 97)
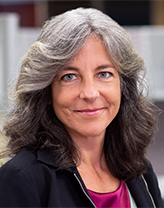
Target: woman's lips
(90, 112)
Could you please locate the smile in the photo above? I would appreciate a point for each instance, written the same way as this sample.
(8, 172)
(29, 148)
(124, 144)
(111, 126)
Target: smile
(90, 112)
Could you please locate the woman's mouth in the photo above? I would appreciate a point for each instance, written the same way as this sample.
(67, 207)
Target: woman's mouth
(90, 112)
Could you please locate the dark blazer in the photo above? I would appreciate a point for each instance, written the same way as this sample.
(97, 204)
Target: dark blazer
(31, 180)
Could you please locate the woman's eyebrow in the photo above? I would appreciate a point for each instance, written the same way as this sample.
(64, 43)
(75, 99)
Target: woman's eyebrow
(105, 66)
(70, 68)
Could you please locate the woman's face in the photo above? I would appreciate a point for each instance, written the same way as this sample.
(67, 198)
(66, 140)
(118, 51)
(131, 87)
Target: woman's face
(86, 94)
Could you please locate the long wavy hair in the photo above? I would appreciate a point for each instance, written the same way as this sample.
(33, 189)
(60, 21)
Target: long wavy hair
(32, 121)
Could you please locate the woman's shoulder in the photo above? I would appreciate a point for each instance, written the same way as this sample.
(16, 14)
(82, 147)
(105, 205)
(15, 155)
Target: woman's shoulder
(22, 160)
(23, 176)
(26, 163)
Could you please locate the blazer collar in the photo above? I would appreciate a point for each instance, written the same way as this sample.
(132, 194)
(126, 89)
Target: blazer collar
(48, 157)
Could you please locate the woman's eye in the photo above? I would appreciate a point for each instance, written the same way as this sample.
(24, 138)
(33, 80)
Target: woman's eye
(104, 74)
(68, 77)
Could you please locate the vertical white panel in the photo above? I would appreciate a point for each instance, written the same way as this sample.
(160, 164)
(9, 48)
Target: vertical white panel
(149, 43)
(9, 23)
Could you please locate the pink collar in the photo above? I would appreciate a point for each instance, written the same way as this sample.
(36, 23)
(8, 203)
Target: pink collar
(118, 198)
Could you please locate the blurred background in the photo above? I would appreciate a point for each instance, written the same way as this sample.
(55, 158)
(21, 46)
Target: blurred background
(20, 23)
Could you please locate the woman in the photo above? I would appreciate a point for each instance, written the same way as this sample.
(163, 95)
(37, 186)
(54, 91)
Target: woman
(80, 126)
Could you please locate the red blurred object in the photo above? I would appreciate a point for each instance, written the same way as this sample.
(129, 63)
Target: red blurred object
(26, 12)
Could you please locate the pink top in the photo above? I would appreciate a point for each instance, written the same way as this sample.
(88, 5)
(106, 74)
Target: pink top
(116, 199)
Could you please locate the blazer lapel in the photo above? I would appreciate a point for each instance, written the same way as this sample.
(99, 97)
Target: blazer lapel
(139, 192)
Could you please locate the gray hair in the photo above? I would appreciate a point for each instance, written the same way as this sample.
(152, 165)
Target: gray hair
(63, 36)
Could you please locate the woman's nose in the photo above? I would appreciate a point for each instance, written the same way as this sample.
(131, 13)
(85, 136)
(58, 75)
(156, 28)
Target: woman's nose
(89, 91)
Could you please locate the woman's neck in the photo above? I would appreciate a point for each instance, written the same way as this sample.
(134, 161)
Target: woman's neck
(91, 150)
